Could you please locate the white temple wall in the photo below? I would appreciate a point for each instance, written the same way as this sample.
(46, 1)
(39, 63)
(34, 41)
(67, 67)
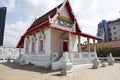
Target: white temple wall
(56, 42)
(48, 42)
(74, 42)
(37, 55)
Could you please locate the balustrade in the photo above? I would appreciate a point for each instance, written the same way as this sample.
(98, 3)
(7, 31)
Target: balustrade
(82, 55)
(6, 52)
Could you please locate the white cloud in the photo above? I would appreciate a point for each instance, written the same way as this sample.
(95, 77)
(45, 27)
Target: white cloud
(10, 4)
(36, 8)
(13, 32)
(77, 5)
(94, 5)
(94, 11)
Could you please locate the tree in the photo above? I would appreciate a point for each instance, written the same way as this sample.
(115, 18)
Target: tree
(103, 51)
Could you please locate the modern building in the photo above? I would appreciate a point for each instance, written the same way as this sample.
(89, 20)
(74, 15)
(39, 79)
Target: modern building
(53, 35)
(2, 23)
(109, 30)
(114, 30)
(103, 31)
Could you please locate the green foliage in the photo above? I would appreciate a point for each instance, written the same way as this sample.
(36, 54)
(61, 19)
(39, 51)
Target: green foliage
(103, 51)
(85, 43)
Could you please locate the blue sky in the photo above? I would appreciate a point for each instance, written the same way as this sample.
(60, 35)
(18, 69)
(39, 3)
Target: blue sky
(21, 14)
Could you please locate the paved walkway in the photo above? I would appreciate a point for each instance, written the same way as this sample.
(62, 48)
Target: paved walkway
(11, 71)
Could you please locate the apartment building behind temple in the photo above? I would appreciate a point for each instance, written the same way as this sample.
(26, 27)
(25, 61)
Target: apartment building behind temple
(109, 30)
(114, 30)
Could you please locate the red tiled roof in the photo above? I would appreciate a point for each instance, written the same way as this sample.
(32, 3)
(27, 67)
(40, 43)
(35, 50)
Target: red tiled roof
(21, 42)
(44, 18)
(38, 23)
(114, 44)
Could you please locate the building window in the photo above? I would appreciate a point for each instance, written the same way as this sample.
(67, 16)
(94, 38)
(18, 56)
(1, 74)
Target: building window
(114, 27)
(41, 45)
(109, 29)
(115, 37)
(114, 32)
(33, 47)
(110, 34)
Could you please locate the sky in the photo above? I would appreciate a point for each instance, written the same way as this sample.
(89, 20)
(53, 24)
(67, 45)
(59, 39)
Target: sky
(21, 14)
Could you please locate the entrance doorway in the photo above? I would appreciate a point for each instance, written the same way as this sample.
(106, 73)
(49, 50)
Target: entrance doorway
(65, 46)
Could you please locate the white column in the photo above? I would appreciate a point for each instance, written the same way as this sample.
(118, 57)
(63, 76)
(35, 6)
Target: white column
(94, 45)
(79, 45)
(70, 42)
(37, 44)
(20, 51)
(30, 46)
(88, 40)
(70, 46)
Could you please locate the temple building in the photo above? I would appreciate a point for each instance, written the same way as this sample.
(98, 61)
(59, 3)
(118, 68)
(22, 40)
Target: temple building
(51, 35)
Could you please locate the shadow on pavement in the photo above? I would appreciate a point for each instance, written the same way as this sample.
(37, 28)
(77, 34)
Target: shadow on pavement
(28, 67)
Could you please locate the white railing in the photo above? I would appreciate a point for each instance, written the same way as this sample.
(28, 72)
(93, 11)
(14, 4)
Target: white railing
(82, 55)
(10, 52)
(37, 57)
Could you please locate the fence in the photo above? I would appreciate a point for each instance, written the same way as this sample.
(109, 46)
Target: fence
(10, 52)
(82, 55)
(117, 59)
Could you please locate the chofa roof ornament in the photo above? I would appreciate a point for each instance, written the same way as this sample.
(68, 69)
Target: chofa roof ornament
(53, 19)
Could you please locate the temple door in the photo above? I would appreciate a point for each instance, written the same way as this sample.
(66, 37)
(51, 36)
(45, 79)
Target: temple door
(65, 46)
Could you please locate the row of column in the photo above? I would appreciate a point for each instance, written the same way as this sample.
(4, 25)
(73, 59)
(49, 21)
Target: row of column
(30, 45)
(88, 46)
(79, 45)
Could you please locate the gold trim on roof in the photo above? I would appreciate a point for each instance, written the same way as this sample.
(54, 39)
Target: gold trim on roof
(65, 19)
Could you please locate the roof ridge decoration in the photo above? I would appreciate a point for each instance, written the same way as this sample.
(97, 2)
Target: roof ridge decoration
(53, 19)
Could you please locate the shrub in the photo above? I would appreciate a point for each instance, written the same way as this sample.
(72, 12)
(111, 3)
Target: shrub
(103, 51)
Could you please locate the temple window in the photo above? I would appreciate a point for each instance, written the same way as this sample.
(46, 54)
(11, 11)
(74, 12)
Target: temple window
(41, 45)
(114, 27)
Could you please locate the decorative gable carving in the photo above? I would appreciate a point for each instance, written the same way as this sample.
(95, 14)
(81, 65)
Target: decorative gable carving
(64, 13)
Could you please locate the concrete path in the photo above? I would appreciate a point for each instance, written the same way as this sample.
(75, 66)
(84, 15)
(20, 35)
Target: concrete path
(11, 71)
